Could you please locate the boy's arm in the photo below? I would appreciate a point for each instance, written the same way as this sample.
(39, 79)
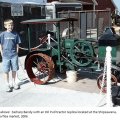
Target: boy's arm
(1, 49)
(17, 48)
(18, 42)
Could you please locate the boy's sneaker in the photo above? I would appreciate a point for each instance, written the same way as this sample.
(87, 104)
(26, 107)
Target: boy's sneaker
(16, 86)
(8, 89)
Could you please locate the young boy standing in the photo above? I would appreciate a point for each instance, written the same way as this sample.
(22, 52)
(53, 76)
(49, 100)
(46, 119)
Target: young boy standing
(9, 46)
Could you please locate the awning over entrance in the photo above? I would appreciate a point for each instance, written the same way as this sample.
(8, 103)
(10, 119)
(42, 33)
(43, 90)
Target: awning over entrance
(77, 1)
(23, 2)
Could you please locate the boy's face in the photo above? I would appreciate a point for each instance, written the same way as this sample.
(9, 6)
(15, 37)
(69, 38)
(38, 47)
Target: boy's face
(9, 26)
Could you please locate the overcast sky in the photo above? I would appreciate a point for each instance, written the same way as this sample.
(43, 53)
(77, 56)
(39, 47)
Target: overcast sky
(117, 2)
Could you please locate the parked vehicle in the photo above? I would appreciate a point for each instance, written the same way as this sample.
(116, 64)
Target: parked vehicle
(59, 54)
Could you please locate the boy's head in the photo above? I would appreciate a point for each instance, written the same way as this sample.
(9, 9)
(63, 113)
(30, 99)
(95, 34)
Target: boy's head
(8, 24)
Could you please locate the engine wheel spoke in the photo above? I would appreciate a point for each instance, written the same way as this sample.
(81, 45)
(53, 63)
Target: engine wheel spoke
(40, 68)
(82, 53)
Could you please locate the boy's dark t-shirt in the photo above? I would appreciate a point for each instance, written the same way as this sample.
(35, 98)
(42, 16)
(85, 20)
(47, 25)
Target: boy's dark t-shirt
(9, 40)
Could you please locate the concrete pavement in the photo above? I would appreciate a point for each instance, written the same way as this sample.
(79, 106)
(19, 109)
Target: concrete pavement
(49, 95)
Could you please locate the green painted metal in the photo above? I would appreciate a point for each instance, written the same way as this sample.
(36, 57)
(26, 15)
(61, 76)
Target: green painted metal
(29, 39)
(102, 53)
(55, 50)
(59, 47)
(71, 53)
(82, 53)
(69, 43)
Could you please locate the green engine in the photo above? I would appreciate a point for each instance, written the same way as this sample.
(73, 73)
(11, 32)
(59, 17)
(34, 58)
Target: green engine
(74, 53)
(67, 53)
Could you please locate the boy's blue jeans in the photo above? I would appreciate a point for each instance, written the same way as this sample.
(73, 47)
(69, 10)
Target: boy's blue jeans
(10, 64)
